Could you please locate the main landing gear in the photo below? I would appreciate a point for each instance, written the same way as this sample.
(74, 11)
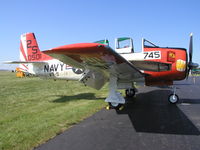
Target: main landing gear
(173, 98)
(113, 105)
(130, 93)
(114, 99)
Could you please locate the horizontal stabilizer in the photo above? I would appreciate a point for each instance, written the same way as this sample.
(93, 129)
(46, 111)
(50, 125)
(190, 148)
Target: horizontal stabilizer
(24, 62)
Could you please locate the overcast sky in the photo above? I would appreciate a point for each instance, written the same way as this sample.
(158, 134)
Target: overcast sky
(61, 22)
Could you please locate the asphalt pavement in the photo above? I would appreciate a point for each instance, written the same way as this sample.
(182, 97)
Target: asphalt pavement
(147, 122)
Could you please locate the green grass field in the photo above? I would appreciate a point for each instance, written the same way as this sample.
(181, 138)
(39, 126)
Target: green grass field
(33, 110)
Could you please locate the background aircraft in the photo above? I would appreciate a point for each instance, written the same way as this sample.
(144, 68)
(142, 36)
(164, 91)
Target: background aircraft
(94, 64)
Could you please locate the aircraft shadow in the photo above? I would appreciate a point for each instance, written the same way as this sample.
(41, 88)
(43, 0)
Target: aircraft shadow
(183, 84)
(151, 112)
(190, 101)
(85, 96)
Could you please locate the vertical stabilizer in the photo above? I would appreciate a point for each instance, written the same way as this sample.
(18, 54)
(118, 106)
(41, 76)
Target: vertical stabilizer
(29, 51)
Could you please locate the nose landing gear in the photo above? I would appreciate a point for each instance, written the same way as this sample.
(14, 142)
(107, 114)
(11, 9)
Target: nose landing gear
(173, 98)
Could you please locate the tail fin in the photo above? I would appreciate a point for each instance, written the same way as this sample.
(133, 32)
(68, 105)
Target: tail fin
(29, 50)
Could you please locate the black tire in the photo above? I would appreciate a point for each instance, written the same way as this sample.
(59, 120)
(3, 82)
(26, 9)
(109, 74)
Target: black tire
(115, 106)
(130, 93)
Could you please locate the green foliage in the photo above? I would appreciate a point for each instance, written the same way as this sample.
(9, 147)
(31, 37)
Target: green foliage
(33, 110)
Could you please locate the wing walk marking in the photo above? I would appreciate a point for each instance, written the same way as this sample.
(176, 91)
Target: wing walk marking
(96, 62)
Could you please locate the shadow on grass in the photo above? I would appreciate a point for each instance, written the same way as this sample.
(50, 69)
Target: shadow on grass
(81, 96)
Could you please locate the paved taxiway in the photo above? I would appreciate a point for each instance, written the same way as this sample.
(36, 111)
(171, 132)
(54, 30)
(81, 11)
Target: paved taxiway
(149, 122)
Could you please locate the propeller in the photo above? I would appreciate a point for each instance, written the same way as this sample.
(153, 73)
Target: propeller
(191, 65)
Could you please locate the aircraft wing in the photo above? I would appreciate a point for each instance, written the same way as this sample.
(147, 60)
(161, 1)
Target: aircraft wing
(97, 57)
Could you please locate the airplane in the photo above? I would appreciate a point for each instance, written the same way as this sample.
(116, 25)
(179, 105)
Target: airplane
(96, 63)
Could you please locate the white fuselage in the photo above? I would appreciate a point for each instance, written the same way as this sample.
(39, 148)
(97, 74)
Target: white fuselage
(54, 69)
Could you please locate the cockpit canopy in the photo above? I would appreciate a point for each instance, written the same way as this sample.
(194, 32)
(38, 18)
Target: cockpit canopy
(147, 43)
(124, 45)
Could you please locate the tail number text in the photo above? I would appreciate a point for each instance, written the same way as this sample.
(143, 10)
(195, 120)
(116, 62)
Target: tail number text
(152, 55)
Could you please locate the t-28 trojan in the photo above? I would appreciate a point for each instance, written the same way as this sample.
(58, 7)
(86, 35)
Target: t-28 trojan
(96, 63)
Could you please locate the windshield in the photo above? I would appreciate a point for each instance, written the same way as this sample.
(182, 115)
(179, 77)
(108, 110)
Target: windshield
(148, 43)
(123, 42)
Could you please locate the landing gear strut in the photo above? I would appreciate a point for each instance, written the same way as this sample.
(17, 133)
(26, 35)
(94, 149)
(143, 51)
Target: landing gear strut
(114, 99)
(173, 98)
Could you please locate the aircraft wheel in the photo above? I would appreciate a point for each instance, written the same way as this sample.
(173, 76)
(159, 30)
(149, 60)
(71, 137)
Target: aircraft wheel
(130, 92)
(173, 98)
(115, 105)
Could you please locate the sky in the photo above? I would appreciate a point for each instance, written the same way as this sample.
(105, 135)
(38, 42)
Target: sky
(62, 22)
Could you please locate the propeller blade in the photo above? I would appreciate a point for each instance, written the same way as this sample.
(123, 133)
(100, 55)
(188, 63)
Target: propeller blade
(191, 48)
(190, 55)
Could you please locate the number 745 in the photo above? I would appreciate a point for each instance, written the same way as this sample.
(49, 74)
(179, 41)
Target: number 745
(152, 55)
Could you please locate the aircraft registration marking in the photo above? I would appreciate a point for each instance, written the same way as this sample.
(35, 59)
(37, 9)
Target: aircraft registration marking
(34, 49)
(152, 55)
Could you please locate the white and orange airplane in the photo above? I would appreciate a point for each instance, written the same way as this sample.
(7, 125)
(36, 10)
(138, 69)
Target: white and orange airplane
(94, 64)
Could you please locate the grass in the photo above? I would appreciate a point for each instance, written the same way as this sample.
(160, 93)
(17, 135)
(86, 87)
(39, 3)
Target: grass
(34, 110)
(195, 75)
